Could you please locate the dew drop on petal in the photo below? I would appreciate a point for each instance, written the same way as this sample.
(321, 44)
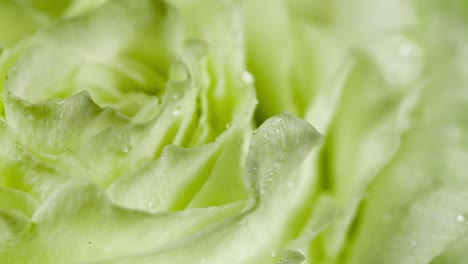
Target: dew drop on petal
(153, 203)
(244, 222)
(126, 148)
(176, 112)
(179, 71)
(178, 94)
(461, 218)
(247, 78)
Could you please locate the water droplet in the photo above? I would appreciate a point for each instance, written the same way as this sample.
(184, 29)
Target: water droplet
(153, 203)
(162, 158)
(247, 78)
(262, 191)
(176, 111)
(413, 243)
(179, 71)
(399, 59)
(461, 218)
(253, 131)
(244, 222)
(178, 94)
(228, 125)
(126, 148)
(202, 261)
